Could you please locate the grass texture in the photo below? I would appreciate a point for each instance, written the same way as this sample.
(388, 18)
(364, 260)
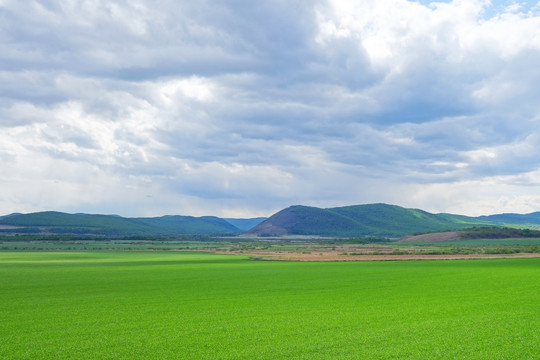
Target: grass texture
(169, 305)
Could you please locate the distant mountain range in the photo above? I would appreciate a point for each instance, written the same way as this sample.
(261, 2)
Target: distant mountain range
(348, 221)
(52, 222)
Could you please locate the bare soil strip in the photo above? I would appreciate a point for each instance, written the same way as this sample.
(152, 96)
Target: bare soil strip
(335, 256)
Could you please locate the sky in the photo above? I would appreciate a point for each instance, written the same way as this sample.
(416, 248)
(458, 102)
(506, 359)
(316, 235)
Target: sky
(242, 108)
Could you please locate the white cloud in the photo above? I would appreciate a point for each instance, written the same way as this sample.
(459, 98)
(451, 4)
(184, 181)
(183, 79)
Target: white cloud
(204, 108)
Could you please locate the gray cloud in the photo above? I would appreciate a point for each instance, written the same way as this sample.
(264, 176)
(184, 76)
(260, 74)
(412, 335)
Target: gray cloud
(243, 108)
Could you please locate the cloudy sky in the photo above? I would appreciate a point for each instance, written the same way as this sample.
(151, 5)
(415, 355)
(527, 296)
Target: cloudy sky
(241, 108)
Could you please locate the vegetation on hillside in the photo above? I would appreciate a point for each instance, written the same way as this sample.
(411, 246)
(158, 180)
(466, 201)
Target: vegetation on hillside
(521, 219)
(360, 220)
(375, 220)
(52, 222)
(497, 233)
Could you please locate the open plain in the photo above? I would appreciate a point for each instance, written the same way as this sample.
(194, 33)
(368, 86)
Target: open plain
(157, 305)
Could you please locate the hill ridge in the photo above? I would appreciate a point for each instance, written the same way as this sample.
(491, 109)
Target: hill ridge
(56, 222)
(378, 219)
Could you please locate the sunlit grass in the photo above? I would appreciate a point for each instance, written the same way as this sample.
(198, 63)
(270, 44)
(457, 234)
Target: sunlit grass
(157, 305)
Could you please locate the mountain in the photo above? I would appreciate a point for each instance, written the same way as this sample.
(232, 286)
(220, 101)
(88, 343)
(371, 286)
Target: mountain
(114, 225)
(306, 220)
(505, 219)
(5, 216)
(245, 224)
(380, 220)
(361, 220)
(176, 224)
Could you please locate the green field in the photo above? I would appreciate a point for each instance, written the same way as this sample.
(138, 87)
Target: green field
(170, 305)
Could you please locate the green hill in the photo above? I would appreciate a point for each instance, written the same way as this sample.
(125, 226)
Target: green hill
(305, 220)
(360, 220)
(174, 224)
(5, 216)
(531, 220)
(112, 225)
(381, 220)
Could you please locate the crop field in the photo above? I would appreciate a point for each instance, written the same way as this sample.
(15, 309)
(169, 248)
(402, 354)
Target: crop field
(173, 305)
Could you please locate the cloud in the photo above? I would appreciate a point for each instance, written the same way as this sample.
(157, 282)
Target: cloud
(198, 108)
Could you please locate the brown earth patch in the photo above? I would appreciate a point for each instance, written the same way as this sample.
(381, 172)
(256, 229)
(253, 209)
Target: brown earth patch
(434, 237)
(362, 254)
(389, 257)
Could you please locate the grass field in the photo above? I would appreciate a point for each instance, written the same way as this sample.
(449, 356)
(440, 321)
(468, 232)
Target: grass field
(170, 305)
